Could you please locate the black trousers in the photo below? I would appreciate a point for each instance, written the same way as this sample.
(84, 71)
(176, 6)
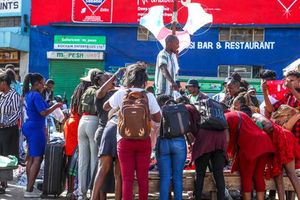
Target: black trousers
(217, 159)
(9, 141)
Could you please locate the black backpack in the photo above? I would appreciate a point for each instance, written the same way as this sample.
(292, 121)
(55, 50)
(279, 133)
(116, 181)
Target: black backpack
(175, 121)
(212, 115)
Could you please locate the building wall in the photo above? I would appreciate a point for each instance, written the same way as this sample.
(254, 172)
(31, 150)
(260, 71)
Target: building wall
(122, 47)
(15, 39)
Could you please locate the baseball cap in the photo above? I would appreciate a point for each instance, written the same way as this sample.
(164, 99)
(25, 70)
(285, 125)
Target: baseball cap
(90, 73)
(193, 83)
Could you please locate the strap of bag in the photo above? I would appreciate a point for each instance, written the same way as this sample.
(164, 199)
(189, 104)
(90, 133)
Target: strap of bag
(237, 148)
(170, 101)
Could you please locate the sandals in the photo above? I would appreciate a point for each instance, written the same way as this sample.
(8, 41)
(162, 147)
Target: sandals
(70, 196)
(2, 190)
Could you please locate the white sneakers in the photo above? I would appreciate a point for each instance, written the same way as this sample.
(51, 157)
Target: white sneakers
(34, 194)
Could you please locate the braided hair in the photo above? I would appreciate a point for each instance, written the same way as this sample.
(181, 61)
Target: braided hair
(78, 92)
(136, 75)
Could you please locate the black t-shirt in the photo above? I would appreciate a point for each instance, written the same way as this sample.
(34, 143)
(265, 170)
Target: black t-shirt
(102, 114)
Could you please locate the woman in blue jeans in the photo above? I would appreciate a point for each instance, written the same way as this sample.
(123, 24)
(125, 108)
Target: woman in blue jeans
(171, 158)
(171, 155)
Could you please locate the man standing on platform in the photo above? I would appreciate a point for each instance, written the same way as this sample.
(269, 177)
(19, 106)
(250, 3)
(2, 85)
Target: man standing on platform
(166, 67)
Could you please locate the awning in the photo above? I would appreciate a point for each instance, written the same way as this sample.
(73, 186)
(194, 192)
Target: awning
(291, 67)
(14, 41)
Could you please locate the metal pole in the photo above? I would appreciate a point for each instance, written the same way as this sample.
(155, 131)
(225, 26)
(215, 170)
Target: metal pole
(174, 18)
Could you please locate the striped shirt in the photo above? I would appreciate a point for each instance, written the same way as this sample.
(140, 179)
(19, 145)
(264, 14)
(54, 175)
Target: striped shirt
(10, 108)
(163, 86)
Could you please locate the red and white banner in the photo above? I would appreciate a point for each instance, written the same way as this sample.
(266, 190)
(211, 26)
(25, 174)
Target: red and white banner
(130, 11)
(92, 11)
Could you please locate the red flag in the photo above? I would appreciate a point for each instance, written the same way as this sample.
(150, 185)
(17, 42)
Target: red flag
(277, 89)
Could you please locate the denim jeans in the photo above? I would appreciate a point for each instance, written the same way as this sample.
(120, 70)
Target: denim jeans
(171, 156)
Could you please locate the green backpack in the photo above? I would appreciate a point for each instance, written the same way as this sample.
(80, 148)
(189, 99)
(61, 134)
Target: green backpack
(87, 101)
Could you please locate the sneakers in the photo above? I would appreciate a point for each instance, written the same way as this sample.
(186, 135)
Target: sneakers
(34, 194)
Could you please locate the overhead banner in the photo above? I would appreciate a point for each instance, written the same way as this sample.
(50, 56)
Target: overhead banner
(10, 6)
(80, 42)
(92, 11)
(130, 11)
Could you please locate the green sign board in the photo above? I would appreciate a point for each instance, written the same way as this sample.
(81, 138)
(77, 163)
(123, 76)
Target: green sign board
(77, 42)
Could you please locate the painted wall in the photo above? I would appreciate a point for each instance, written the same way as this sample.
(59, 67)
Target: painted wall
(129, 11)
(25, 10)
(281, 47)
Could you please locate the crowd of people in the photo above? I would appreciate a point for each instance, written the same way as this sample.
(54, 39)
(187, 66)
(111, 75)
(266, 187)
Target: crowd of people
(99, 131)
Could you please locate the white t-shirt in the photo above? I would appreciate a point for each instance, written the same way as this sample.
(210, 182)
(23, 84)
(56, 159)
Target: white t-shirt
(262, 106)
(115, 101)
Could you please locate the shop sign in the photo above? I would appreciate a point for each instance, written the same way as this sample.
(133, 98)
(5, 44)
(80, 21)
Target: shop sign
(9, 56)
(72, 55)
(206, 45)
(211, 87)
(92, 11)
(77, 42)
(10, 6)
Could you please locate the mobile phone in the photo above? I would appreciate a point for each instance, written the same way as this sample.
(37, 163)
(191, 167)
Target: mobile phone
(119, 78)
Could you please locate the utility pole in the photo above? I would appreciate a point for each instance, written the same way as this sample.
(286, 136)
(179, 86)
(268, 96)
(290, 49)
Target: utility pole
(174, 21)
(174, 18)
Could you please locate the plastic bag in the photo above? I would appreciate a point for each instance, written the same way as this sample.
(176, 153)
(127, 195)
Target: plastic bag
(58, 115)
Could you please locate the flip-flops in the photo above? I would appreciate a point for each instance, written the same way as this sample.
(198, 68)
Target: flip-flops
(2, 190)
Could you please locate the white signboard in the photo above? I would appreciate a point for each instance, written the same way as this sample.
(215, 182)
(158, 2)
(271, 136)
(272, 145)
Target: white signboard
(75, 55)
(10, 6)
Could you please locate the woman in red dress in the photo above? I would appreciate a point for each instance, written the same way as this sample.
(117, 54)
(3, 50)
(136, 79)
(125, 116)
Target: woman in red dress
(285, 145)
(250, 147)
(291, 98)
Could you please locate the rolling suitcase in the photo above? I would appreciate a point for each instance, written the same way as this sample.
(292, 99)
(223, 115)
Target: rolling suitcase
(54, 174)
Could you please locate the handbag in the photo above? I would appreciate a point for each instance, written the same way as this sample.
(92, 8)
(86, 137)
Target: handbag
(212, 115)
(283, 114)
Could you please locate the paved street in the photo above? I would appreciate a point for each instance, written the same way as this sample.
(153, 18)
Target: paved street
(15, 192)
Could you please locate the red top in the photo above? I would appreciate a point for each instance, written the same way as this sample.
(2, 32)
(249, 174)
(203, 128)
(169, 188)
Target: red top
(252, 141)
(291, 100)
(71, 133)
(285, 146)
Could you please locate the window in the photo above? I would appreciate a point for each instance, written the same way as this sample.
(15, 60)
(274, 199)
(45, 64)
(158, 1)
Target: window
(241, 34)
(245, 71)
(144, 35)
(10, 21)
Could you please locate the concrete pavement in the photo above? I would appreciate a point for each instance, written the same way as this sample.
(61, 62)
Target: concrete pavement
(15, 192)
